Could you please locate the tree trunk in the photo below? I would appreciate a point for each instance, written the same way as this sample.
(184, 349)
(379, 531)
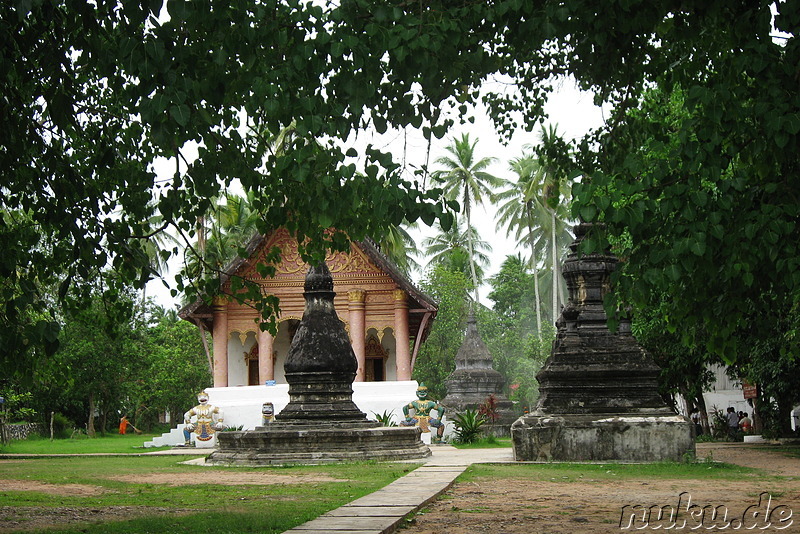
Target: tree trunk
(90, 425)
(535, 270)
(469, 245)
(784, 417)
(701, 405)
(103, 422)
(553, 249)
(52, 415)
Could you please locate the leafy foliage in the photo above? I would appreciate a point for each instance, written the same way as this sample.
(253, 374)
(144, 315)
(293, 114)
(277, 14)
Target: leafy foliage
(143, 367)
(174, 371)
(436, 359)
(488, 409)
(385, 419)
(510, 331)
(684, 370)
(451, 250)
(468, 424)
(694, 182)
(98, 94)
(465, 178)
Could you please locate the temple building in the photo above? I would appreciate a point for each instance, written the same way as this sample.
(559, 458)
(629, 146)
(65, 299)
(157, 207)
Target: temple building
(385, 315)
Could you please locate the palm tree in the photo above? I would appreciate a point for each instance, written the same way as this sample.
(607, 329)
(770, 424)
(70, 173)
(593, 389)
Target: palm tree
(229, 226)
(398, 245)
(465, 179)
(521, 204)
(555, 189)
(450, 248)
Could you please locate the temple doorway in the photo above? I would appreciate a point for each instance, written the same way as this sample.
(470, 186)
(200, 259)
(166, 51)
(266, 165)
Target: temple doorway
(375, 364)
(252, 367)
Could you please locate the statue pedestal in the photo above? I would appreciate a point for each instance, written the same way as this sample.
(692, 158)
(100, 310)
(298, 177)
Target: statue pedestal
(208, 444)
(571, 437)
(279, 444)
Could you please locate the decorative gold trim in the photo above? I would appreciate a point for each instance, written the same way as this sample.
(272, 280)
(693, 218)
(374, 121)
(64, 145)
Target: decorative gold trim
(242, 335)
(357, 296)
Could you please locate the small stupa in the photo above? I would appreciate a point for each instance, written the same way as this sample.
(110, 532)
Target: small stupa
(474, 380)
(599, 389)
(321, 423)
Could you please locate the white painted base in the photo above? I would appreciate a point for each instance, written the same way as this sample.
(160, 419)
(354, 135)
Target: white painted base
(241, 406)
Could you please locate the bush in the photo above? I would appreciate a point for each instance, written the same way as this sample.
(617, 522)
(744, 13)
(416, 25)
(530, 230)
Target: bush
(488, 409)
(385, 419)
(468, 426)
(62, 427)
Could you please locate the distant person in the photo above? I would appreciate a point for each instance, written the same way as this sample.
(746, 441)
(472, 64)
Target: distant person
(123, 424)
(695, 417)
(745, 424)
(733, 423)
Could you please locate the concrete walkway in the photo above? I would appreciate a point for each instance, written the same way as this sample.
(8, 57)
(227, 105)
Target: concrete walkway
(384, 510)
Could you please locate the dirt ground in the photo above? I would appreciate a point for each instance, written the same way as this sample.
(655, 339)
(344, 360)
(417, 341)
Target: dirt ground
(511, 506)
(507, 506)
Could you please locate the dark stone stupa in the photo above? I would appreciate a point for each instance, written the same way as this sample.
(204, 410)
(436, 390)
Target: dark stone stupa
(321, 423)
(474, 379)
(599, 390)
(321, 366)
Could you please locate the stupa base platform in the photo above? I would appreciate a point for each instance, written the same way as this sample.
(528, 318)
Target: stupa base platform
(280, 444)
(602, 437)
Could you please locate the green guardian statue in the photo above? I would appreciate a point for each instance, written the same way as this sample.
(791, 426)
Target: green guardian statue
(421, 415)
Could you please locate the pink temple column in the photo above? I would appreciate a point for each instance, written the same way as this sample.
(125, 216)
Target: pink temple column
(266, 361)
(220, 335)
(356, 300)
(402, 349)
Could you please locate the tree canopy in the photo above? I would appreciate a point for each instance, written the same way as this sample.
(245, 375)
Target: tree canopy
(96, 93)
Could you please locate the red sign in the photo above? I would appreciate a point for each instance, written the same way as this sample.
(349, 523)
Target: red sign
(750, 391)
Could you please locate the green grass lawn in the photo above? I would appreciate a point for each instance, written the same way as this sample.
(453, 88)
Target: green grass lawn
(191, 508)
(110, 443)
(567, 472)
(485, 443)
(214, 507)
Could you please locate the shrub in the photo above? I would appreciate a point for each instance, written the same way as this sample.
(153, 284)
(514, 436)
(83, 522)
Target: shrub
(468, 426)
(489, 409)
(385, 419)
(62, 427)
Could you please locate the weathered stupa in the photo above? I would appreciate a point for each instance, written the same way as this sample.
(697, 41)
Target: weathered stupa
(599, 391)
(321, 423)
(474, 380)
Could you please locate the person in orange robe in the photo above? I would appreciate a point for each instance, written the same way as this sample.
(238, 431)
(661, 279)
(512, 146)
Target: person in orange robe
(123, 424)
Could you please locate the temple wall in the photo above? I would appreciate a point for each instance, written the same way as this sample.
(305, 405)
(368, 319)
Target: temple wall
(242, 406)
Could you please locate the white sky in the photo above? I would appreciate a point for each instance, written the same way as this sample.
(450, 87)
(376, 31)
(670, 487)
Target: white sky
(574, 113)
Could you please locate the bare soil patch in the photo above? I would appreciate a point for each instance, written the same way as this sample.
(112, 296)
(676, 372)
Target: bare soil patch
(227, 478)
(74, 490)
(35, 518)
(522, 506)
